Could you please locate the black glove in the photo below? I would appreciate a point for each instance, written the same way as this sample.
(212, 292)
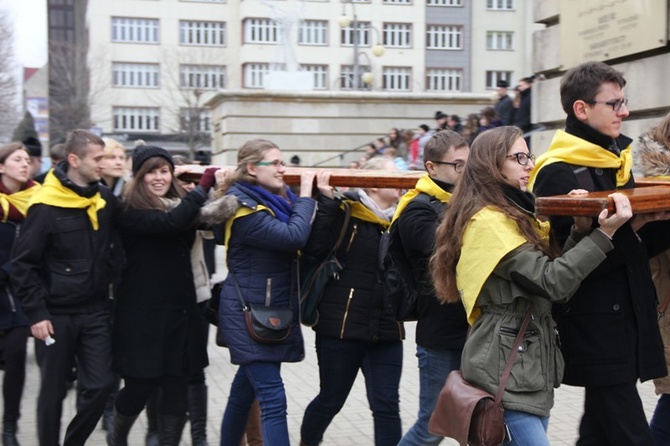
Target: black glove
(207, 180)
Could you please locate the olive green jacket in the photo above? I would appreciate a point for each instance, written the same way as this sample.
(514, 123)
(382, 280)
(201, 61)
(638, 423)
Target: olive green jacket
(522, 276)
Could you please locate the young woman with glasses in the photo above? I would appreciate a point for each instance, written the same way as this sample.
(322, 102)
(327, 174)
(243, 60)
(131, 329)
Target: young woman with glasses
(262, 239)
(495, 255)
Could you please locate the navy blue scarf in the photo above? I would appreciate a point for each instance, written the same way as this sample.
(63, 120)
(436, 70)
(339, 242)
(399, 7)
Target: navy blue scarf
(281, 208)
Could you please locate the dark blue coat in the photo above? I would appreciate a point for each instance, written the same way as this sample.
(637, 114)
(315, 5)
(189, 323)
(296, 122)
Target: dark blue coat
(262, 254)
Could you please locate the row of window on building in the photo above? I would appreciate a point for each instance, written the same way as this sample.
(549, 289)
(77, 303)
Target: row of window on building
(213, 77)
(311, 32)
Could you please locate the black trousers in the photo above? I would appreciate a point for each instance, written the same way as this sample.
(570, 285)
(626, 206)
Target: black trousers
(15, 340)
(614, 416)
(86, 337)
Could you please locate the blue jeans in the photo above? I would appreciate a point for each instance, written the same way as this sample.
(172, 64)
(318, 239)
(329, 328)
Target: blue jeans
(262, 381)
(526, 429)
(660, 421)
(434, 367)
(339, 362)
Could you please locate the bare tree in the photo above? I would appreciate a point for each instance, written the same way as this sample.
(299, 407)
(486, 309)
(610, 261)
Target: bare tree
(9, 79)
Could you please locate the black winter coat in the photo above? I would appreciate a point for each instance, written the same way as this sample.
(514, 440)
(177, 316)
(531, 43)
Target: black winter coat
(353, 306)
(157, 328)
(608, 330)
(60, 265)
(439, 326)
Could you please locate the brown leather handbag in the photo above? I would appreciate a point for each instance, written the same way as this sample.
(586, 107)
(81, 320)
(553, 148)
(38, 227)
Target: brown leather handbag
(469, 414)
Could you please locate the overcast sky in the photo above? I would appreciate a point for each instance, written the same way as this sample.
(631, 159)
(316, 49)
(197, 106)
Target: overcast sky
(30, 30)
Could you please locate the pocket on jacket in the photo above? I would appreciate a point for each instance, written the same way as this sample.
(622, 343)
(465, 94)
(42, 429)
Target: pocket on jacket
(69, 280)
(527, 374)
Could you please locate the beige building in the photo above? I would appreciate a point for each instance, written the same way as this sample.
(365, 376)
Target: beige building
(153, 64)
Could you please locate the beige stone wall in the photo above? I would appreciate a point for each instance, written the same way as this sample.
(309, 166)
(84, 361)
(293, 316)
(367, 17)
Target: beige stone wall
(320, 125)
(646, 74)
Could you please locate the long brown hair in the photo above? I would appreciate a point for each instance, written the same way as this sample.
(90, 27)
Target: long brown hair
(480, 185)
(251, 152)
(137, 196)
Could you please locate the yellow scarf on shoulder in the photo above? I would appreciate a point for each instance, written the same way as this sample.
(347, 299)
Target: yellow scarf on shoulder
(425, 185)
(20, 200)
(361, 212)
(573, 150)
(242, 211)
(489, 236)
(53, 193)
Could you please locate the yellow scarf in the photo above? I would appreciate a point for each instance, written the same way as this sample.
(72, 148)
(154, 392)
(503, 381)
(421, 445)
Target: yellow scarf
(20, 200)
(573, 150)
(425, 185)
(361, 212)
(488, 237)
(53, 193)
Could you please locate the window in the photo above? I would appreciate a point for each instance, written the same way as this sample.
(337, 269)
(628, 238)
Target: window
(396, 78)
(499, 40)
(444, 79)
(320, 73)
(261, 31)
(202, 33)
(135, 75)
(347, 77)
(363, 32)
(398, 35)
(492, 78)
(254, 74)
(444, 37)
(192, 120)
(505, 5)
(445, 3)
(398, 2)
(206, 77)
(313, 32)
(134, 30)
(136, 119)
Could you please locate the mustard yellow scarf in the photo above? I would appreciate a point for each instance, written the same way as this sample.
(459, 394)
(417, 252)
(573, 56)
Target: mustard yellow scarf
(20, 200)
(361, 212)
(573, 150)
(488, 237)
(53, 193)
(425, 185)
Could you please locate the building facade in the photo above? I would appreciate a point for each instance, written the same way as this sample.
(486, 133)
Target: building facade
(153, 64)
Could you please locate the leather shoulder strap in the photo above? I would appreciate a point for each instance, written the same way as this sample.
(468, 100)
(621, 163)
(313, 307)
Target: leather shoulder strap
(512, 355)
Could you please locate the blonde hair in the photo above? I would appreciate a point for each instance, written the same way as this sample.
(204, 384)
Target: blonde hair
(111, 145)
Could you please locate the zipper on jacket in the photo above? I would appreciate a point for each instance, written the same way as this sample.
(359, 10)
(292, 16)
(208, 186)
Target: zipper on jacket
(268, 292)
(346, 312)
(353, 234)
(12, 303)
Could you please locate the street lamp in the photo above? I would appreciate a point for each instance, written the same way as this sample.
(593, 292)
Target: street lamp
(377, 50)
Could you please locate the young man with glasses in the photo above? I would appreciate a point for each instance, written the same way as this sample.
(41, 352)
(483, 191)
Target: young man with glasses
(608, 330)
(440, 329)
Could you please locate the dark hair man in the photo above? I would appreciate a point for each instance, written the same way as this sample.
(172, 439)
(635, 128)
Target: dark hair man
(608, 330)
(440, 329)
(504, 106)
(61, 273)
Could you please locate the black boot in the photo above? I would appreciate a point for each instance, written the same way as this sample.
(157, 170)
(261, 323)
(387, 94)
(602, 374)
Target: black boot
(169, 429)
(9, 434)
(118, 434)
(151, 438)
(197, 412)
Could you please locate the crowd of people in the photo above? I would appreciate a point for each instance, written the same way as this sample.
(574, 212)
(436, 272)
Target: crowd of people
(406, 146)
(106, 270)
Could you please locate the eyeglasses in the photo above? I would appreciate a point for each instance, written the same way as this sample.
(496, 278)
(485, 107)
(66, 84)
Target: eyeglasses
(458, 167)
(275, 163)
(522, 158)
(616, 105)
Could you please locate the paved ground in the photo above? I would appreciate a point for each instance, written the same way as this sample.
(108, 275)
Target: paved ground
(353, 426)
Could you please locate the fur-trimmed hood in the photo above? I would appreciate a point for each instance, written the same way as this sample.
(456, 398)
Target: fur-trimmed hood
(219, 210)
(651, 158)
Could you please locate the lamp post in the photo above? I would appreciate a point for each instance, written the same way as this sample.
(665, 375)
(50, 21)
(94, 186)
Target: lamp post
(378, 50)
